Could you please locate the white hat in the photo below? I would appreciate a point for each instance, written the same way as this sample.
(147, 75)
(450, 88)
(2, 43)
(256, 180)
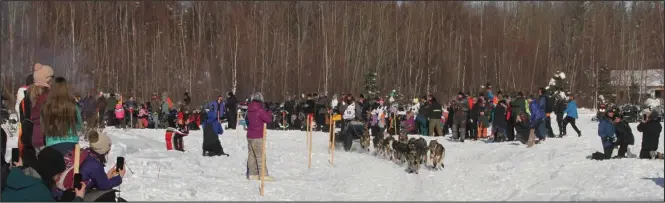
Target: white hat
(99, 143)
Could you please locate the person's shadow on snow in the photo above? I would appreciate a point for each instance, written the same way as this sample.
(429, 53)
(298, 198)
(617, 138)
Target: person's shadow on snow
(658, 181)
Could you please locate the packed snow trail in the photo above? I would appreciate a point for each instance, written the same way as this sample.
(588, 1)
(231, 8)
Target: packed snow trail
(557, 170)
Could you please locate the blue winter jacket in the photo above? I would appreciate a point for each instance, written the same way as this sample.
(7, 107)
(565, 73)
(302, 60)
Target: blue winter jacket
(571, 109)
(490, 96)
(212, 117)
(537, 113)
(606, 131)
(542, 102)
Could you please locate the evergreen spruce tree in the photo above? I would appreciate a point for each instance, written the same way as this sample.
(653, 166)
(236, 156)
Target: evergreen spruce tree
(557, 86)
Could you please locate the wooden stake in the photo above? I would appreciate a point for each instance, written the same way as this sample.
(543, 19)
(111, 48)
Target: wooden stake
(332, 155)
(263, 159)
(309, 144)
(77, 158)
(331, 130)
(238, 123)
(308, 124)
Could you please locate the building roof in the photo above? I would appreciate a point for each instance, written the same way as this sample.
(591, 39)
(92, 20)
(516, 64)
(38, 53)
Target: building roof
(645, 78)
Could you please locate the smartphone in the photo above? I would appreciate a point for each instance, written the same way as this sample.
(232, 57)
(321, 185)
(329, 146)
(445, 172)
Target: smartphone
(644, 117)
(120, 163)
(77, 181)
(15, 157)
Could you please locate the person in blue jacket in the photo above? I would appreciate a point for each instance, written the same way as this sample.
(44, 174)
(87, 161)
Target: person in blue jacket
(215, 114)
(537, 118)
(606, 132)
(571, 116)
(92, 168)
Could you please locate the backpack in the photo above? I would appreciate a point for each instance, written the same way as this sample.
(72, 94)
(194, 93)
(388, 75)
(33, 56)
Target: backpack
(66, 180)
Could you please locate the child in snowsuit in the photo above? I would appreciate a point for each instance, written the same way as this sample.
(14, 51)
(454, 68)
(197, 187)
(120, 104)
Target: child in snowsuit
(182, 131)
(483, 121)
(143, 117)
(120, 115)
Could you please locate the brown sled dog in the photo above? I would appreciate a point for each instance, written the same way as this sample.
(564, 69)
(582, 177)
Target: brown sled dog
(387, 146)
(437, 153)
(365, 138)
(417, 154)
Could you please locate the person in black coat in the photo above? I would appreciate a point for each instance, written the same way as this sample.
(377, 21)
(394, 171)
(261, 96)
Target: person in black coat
(310, 105)
(231, 110)
(624, 136)
(559, 108)
(474, 115)
(186, 99)
(499, 123)
(522, 127)
(651, 131)
(211, 145)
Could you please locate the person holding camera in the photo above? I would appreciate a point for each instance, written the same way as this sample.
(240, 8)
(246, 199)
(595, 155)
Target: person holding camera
(92, 171)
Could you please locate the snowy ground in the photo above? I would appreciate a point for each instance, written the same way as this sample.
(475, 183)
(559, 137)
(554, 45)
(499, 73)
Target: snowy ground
(557, 170)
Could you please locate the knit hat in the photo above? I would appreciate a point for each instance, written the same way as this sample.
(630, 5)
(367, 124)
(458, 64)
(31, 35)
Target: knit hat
(42, 75)
(257, 96)
(49, 163)
(99, 143)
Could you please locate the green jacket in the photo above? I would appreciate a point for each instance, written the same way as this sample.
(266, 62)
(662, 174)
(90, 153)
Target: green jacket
(519, 105)
(110, 103)
(24, 188)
